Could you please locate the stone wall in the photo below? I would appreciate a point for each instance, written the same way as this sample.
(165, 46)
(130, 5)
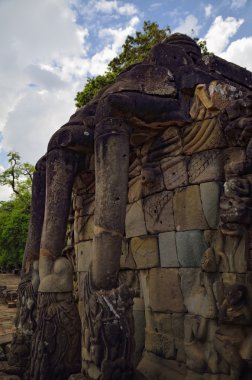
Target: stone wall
(187, 245)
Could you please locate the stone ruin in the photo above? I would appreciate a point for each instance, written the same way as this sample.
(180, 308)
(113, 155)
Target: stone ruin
(151, 184)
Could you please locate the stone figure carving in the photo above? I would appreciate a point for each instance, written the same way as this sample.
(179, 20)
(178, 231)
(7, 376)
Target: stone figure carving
(173, 101)
(233, 343)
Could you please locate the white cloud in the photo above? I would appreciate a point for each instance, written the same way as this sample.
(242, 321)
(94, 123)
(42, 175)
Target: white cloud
(110, 6)
(33, 33)
(220, 32)
(235, 4)
(117, 36)
(35, 118)
(208, 10)
(44, 61)
(5, 193)
(240, 52)
(189, 26)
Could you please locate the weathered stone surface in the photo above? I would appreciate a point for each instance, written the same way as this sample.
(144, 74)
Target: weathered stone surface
(77, 376)
(168, 250)
(154, 367)
(111, 343)
(210, 198)
(83, 252)
(174, 172)
(178, 325)
(190, 247)
(145, 251)
(230, 252)
(126, 260)
(192, 315)
(85, 228)
(159, 322)
(180, 350)
(134, 222)
(83, 203)
(197, 290)
(130, 278)
(234, 161)
(80, 281)
(4, 376)
(169, 297)
(207, 376)
(236, 249)
(160, 344)
(203, 135)
(144, 287)
(58, 329)
(139, 323)
(206, 166)
(151, 178)
(158, 212)
(188, 213)
(168, 144)
(135, 189)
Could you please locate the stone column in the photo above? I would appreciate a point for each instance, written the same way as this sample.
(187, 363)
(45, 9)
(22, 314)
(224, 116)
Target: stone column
(27, 291)
(56, 350)
(108, 320)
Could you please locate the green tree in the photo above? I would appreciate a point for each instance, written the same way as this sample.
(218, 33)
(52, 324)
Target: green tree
(15, 213)
(18, 176)
(134, 50)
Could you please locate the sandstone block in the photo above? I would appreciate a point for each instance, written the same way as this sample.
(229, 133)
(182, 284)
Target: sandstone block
(154, 367)
(206, 166)
(167, 144)
(174, 172)
(177, 322)
(144, 287)
(188, 213)
(236, 249)
(85, 227)
(158, 212)
(83, 253)
(145, 251)
(135, 189)
(203, 135)
(197, 291)
(130, 278)
(80, 281)
(180, 350)
(159, 322)
(168, 250)
(127, 260)
(210, 198)
(139, 323)
(168, 298)
(160, 344)
(190, 247)
(151, 179)
(134, 222)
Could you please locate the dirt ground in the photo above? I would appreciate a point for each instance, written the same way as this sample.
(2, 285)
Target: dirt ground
(7, 315)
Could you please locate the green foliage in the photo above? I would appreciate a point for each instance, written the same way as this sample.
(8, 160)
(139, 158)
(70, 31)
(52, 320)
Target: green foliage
(92, 87)
(134, 50)
(14, 220)
(15, 213)
(18, 176)
(203, 47)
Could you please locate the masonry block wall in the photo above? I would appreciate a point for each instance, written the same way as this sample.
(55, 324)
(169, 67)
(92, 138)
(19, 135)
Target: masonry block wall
(187, 246)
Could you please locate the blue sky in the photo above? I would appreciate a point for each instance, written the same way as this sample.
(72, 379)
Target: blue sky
(49, 48)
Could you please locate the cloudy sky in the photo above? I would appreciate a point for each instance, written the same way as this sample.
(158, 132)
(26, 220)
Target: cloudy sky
(49, 48)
